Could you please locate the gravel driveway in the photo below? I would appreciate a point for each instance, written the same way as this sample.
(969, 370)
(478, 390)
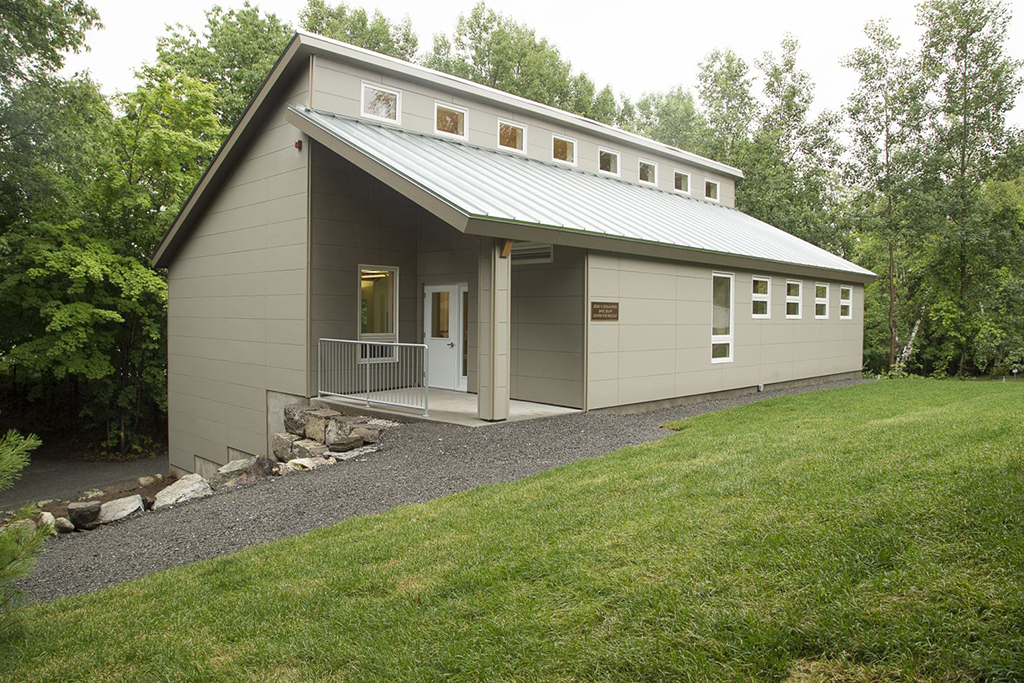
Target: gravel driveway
(417, 462)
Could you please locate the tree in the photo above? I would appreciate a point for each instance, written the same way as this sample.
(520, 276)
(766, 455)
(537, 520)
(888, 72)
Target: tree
(727, 104)
(496, 51)
(36, 34)
(887, 114)
(975, 84)
(354, 25)
(671, 117)
(234, 54)
(791, 163)
(20, 538)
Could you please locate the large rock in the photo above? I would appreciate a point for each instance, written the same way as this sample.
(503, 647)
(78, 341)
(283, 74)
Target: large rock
(47, 519)
(338, 428)
(242, 470)
(314, 463)
(120, 508)
(189, 487)
(85, 515)
(307, 448)
(344, 444)
(63, 525)
(367, 434)
(281, 446)
(316, 422)
(293, 420)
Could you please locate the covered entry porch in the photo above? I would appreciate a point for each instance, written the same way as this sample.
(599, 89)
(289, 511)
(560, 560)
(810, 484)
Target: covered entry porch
(445, 405)
(412, 315)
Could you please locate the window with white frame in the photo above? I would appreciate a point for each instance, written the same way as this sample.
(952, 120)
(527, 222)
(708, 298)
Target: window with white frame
(381, 103)
(845, 302)
(648, 172)
(449, 120)
(721, 317)
(820, 300)
(761, 298)
(563, 149)
(682, 182)
(711, 190)
(794, 293)
(608, 161)
(512, 136)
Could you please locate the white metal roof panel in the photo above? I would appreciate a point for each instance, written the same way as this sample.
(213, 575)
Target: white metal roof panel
(490, 184)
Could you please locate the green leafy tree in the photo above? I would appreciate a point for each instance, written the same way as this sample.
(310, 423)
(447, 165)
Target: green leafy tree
(887, 113)
(791, 164)
(728, 105)
(35, 36)
(975, 84)
(494, 50)
(670, 117)
(356, 26)
(20, 538)
(234, 54)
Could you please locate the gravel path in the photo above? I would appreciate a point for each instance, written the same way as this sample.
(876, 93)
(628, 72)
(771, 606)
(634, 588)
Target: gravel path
(417, 462)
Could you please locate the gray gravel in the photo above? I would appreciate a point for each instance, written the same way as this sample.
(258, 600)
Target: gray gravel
(417, 462)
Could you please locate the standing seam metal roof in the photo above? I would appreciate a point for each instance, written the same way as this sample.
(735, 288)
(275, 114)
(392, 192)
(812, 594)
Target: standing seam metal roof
(490, 184)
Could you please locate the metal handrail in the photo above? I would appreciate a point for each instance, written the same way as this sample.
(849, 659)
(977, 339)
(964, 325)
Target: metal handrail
(375, 372)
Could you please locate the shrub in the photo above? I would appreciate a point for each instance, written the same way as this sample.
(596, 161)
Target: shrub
(20, 538)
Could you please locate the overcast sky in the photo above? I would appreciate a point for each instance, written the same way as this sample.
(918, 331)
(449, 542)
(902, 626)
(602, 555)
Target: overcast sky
(635, 47)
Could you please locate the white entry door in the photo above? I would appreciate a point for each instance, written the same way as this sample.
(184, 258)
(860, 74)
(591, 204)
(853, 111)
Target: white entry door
(442, 332)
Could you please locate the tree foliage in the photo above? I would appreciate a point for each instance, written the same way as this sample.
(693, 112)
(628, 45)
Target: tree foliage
(234, 54)
(36, 34)
(20, 538)
(356, 26)
(495, 50)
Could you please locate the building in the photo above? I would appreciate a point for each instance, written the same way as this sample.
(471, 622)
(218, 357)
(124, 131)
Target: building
(522, 252)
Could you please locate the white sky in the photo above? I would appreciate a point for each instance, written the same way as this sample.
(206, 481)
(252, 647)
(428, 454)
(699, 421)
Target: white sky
(634, 47)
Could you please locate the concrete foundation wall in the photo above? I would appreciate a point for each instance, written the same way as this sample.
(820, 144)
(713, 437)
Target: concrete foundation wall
(237, 303)
(660, 348)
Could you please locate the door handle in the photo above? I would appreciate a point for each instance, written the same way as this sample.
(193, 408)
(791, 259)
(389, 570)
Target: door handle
(451, 345)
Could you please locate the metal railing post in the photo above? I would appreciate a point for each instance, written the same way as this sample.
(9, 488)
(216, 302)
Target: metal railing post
(426, 387)
(366, 388)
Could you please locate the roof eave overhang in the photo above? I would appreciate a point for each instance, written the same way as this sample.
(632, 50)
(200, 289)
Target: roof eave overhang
(488, 227)
(444, 210)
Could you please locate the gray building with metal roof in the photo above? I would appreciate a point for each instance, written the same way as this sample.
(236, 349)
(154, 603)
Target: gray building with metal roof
(378, 232)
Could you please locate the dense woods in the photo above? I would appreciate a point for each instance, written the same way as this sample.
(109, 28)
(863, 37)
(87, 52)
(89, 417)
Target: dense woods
(918, 178)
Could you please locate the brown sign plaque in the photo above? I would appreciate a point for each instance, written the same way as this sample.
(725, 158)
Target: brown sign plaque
(604, 310)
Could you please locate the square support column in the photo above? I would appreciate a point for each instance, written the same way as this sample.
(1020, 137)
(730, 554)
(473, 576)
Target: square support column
(494, 330)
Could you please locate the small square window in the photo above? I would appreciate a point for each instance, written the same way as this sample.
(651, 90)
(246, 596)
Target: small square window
(794, 291)
(682, 182)
(381, 103)
(761, 297)
(648, 172)
(563, 149)
(820, 300)
(608, 161)
(512, 136)
(449, 120)
(846, 303)
(711, 190)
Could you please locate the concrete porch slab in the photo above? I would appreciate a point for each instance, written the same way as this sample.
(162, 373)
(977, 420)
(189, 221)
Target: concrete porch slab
(451, 407)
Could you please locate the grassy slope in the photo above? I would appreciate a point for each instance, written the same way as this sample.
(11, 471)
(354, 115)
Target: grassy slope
(869, 533)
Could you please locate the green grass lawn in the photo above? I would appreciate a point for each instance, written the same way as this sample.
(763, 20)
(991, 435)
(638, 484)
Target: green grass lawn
(871, 533)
